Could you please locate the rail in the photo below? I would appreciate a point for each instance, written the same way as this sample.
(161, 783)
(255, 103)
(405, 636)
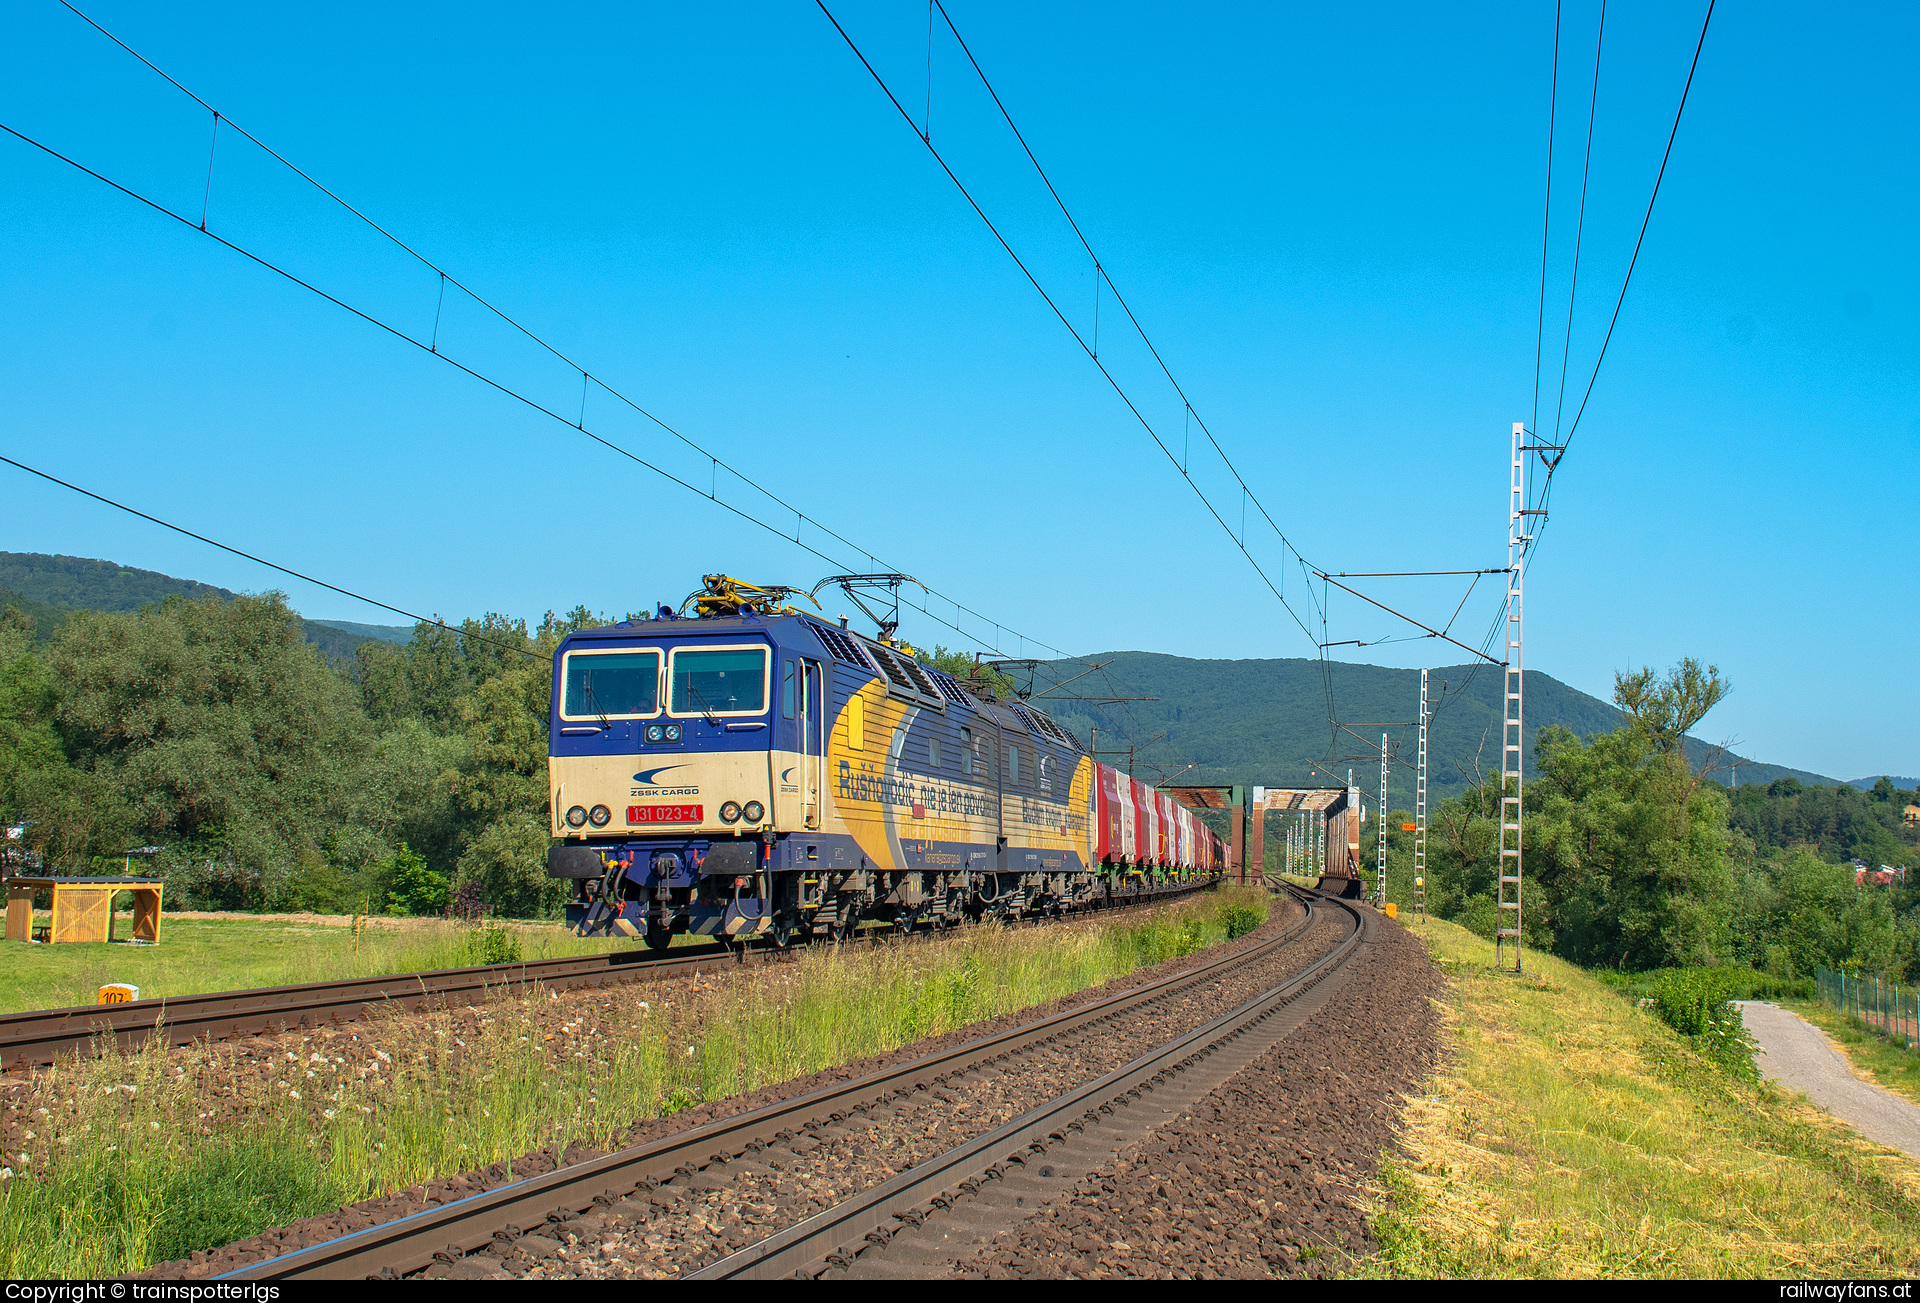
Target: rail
(38, 1037)
(411, 1243)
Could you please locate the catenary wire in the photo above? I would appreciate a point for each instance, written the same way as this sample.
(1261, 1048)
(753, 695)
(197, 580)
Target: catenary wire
(1627, 280)
(1580, 227)
(1081, 340)
(1100, 272)
(271, 565)
(587, 377)
(1546, 220)
(578, 426)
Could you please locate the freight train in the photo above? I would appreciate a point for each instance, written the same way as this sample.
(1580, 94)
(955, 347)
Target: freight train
(751, 770)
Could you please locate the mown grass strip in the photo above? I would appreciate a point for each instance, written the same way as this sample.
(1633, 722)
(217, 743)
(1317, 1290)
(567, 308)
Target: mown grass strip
(127, 1160)
(1576, 1135)
(200, 955)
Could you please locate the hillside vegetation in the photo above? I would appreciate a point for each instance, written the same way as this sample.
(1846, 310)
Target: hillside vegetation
(1634, 860)
(268, 777)
(47, 589)
(1265, 721)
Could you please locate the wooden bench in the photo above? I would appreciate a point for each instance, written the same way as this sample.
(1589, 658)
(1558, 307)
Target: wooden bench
(83, 908)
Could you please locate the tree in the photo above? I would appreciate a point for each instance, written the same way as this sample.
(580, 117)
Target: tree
(1666, 710)
(962, 666)
(413, 887)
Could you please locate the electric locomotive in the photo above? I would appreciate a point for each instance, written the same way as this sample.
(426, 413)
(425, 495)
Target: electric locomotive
(754, 770)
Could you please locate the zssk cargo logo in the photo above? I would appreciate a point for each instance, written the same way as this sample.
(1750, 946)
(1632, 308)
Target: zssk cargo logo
(650, 784)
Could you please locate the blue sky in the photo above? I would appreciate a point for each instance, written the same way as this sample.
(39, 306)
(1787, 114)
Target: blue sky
(1329, 220)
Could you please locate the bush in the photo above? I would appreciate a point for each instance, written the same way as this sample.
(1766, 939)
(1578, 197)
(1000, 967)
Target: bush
(1240, 920)
(492, 945)
(1479, 916)
(1697, 1003)
(319, 887)
(413, 888)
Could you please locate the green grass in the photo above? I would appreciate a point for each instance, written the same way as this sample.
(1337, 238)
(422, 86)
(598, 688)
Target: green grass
(137, 1158)
(1574, 1134)
(199, 955)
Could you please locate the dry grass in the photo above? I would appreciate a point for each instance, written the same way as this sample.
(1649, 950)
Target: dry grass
(1574, 1135)
(124, 1160)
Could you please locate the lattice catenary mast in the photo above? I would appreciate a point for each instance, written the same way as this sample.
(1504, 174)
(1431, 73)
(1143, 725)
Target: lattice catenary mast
(1380, 872)
(1420, 809)
(1513, 730)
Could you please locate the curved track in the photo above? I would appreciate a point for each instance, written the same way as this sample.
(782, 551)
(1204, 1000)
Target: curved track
(451, 1231)
(39, 1037)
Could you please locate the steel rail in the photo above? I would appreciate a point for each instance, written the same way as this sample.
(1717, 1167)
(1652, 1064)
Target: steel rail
(39, 1037)
(833, 1237)
(411, 1243)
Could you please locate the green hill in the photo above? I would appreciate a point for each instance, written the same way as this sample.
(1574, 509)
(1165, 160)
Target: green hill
(1265, 721)
(48, 587)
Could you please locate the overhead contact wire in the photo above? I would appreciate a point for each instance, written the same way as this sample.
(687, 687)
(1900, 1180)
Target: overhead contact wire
(1077, 337)
(271, 565)
(446, 279)
(1100, 272)
(485, 379)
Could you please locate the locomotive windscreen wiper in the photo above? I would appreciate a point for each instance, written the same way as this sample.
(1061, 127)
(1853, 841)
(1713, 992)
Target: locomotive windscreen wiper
(593, 701)
(707, 711)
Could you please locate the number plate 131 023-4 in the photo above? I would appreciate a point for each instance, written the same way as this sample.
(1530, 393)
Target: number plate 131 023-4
(644, 814)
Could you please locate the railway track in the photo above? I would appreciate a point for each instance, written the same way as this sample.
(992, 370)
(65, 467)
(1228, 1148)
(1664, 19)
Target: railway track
(663, 1172)
(40, 1037)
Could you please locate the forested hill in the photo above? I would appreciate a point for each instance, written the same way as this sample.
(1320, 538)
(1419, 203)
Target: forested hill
(47, 587)
(1250, 721)
(1265, 721)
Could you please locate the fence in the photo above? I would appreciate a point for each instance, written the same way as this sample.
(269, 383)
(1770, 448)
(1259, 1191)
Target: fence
(1887, 1007)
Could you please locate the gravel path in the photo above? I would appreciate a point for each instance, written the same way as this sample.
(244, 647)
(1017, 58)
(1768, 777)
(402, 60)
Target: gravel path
(1799, 1056)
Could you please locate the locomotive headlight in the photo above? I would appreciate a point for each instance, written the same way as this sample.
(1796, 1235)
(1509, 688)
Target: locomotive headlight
(599, 815)
(577, 816)
(673, 732)
(730, 812)
(754, 811)
(655, 733)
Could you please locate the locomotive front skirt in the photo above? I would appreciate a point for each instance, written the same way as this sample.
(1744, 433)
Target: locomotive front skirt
(739, 775)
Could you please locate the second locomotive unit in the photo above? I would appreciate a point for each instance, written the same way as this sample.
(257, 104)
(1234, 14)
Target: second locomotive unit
(753, 770)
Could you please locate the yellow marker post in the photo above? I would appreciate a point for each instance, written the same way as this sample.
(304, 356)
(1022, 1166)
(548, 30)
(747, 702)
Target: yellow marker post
(119, 993)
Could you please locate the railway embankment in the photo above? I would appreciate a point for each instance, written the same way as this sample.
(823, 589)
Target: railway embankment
(131, 1159)
(1571, 1133)
(1270, 1173)
(676, 1202)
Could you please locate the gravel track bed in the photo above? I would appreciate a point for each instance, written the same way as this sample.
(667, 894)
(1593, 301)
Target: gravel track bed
(1265, 1176)
(694, 1220)
(699, 1217)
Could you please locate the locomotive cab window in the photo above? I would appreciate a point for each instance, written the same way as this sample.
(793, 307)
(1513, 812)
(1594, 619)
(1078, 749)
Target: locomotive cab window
(602, 685)
(1013, 763)
(786, 691)
(933, 753)
(718, 681)
(966, 751)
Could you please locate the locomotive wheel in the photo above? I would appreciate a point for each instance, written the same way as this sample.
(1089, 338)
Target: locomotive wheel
(658, 938)
(781, 932)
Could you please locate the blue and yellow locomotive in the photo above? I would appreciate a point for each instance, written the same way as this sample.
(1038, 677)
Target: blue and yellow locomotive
(752, 770)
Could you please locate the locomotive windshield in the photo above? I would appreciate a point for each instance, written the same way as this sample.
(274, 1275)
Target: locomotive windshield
(611, 683)
(719, 681)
